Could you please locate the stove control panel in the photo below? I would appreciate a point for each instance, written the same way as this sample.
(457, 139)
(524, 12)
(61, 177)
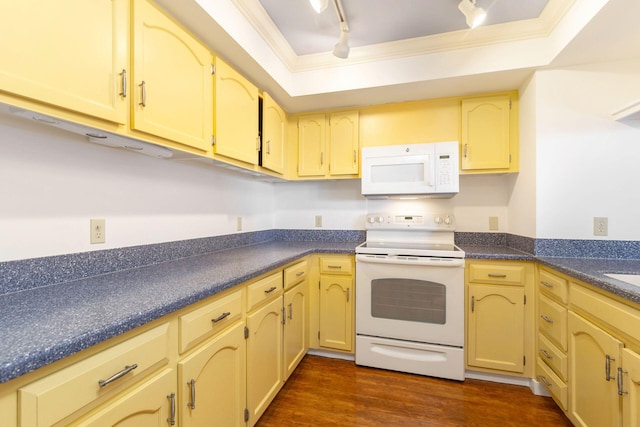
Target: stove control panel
(385, 221)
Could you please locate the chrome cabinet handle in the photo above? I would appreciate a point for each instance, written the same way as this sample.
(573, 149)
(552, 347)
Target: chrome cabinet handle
(544, 380)
(607, 367)
(271, 289)
(465, 150)
(172, 418)
(348, 293)
(473, 303)
(221, 317)
(621, 391)
(124, 83)
(257, 143)
(546, 354)
(496, 275)
(546, 284)
(321, 158)
(336, 267)
(269, 147)
(355, 157)
(290, 311)
(546, 318)
(143, 91)
(299, 273)
(120, 374)
(192, 385)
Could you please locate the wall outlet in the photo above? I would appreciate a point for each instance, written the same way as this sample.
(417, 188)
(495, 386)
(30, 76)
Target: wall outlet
(600, 226)
(318, 220)
(97, 233)
(493, 223)
(239, 223)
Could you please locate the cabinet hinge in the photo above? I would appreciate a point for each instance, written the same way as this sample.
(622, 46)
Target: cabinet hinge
(213, 69)
(284, 315)
(246, 333)
(246, 415)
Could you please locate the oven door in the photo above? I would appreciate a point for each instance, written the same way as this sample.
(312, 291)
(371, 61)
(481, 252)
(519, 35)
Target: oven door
(418, 299)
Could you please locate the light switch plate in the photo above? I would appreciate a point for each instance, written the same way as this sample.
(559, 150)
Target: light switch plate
(600, 226)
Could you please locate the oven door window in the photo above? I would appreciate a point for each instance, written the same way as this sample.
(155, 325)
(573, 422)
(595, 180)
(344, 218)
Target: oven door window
(409, 299)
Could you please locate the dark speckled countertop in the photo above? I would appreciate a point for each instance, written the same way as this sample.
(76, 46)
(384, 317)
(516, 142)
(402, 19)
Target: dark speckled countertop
(42, 325)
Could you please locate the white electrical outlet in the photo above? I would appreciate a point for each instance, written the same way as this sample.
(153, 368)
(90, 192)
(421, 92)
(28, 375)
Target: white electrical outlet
(239, 223)
(600, 226)
(97, 234)
(318, 220)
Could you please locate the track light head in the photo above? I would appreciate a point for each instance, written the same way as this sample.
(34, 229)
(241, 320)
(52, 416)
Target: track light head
(341, 50)
(474, 15)
(319, 5)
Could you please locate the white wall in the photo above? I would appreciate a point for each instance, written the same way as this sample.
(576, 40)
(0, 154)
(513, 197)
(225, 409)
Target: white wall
(587, 164)
(53, 182)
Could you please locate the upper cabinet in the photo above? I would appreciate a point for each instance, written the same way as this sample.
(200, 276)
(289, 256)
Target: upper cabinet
(274, 123)
(489, 134)
(236, 115)
(172, 81)
(69, 53)
(335, 156)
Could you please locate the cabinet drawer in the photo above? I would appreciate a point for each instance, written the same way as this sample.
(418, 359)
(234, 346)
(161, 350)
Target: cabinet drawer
(51, 399)
(502, 274)
(263, 290)
(555, 385)
(554, 285)
(553, 356)
(553, 321)
(199, 324)
(295, 274)
(336, 265)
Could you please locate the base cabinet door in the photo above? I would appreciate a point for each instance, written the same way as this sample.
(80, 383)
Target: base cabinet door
(336, 312)
(630, 388)
(264, 357)
(295, 327)
(152, 404)
(594, 358)
(212, 382)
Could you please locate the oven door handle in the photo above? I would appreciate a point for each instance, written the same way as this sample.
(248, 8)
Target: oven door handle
(411, 260)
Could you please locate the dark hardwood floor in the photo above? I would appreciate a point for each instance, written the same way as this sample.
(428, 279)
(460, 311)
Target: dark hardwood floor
(333, 392)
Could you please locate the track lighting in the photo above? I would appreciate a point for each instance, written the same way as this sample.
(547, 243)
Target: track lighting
(475, 15)
(341, 50)
(319, 5)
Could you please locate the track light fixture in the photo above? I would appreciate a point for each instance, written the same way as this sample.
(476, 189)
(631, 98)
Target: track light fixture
(475, 15)
(341, 49)
(319, 5)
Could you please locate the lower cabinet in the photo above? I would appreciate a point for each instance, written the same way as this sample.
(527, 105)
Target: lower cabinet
(295, 327)
(212, 381)
(630, 388)
(336, 303)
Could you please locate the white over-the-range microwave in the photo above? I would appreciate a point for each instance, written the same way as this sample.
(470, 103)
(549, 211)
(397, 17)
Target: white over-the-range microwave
(414, 170)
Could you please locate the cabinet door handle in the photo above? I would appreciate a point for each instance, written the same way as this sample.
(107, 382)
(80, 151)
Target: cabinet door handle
(465, 150)
(172, 417)
(621, 391)
(257, 143)
(123, 93)
(143, 94)
(192, 385)
(221, 317)
(348, 294)
(497, 275)
(290, 311)
(546, 318)
(607, 367)
(355, 157)
(269, 147)
(544, 380)
(118, 375)
(473, 303)
(546, 354)
(336, 267)
(271, 289)
(546, 284)
(321, 159)
(299, 273)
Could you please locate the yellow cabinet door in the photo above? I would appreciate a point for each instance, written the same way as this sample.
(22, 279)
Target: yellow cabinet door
(152, 404)
(274, 122)
(236, 115)
(344, 143)
(311, 145)
(172, 91)
(336, 312)
(264, 357)
(69, 53)
(495, 328)
(594, 357)
(212, 382)
(630, 383)
(485, 132)
(295, 327)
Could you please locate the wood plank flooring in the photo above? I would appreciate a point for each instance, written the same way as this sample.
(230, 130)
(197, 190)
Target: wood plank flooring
(333, 392)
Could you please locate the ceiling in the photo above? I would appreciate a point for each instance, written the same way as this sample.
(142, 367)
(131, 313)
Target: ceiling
(405, 49)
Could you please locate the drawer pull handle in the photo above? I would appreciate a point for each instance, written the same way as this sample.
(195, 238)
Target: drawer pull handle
(120, 374)
(546, 318)
(271, 289)
(544, 380)
(545, 353)
(172, 418)
(497, 275)
(607, 367)
(547, 284)
(221, 317)
(299, 273)
(337, 267)
(621, 391)
(192, 385)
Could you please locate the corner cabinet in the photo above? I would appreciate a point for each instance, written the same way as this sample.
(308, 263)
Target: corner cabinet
(172, 80)
(489, 134)
(499, 320)
(236, 115)
(336, 155)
